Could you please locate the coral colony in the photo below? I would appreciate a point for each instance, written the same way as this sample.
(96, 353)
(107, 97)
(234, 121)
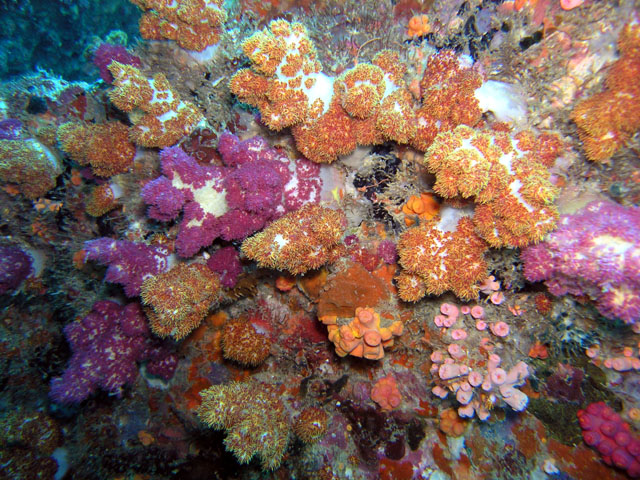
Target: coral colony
(323, 240)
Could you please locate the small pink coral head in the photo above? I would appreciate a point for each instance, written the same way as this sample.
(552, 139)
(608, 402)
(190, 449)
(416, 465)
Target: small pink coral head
(385, 393)
(436, 356)
(481, 325)
(593, 351)
(627, 352)
(439, 320)
(486, 384)
(494, 360)
(475, 378)
(500, 329)
(449, 321)
(498, 376)
(570, 4)
(465, 309)
(455, 350)
(395, 399)
(514, 398)
(464, 397)
(448, 371)
(482, 412)
(518, 373)
(465, 386)
(458, 334)
(438, 391)
(497, 298)
(466, 411)
(449, 310)
(477, 312)
(489, 285)
(621, 364)
(622, 438)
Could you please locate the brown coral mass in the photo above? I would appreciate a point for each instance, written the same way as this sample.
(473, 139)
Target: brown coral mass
(350, 288)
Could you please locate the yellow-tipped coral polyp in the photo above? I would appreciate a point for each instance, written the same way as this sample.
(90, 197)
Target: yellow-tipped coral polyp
(179, 299)
(607, 120)
(28, 167)
(164, 118)
(106, 146)
(102, 199)
(254, 418)
(243, 344)
(193, 24)
(300, 241)
(311, 424)
(435, 261)
(505, 174)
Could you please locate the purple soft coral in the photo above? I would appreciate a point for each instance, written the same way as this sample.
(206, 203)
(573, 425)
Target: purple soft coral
(129, 263)
(15, 267)
(10, 129)
(106, 345)
(256, 185)
(593, 252)
(107, 53)
(226, 263)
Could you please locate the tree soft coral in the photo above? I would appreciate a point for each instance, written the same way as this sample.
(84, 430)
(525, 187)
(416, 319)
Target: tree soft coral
(106, 345)
(230, 201)
(594, 252)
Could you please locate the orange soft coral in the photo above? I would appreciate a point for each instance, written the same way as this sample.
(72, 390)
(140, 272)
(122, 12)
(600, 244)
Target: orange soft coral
(106, 146)
(300, 241)
(423, 207)
(451, 424)
(505, 174)
(435, 260)
(284, 100)
(418, 26)
(193, 24)
(386, 394)
(608, 119)
(365, 335)
(447, 94)
(329, 116)
(179, 299)
(165, 118)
